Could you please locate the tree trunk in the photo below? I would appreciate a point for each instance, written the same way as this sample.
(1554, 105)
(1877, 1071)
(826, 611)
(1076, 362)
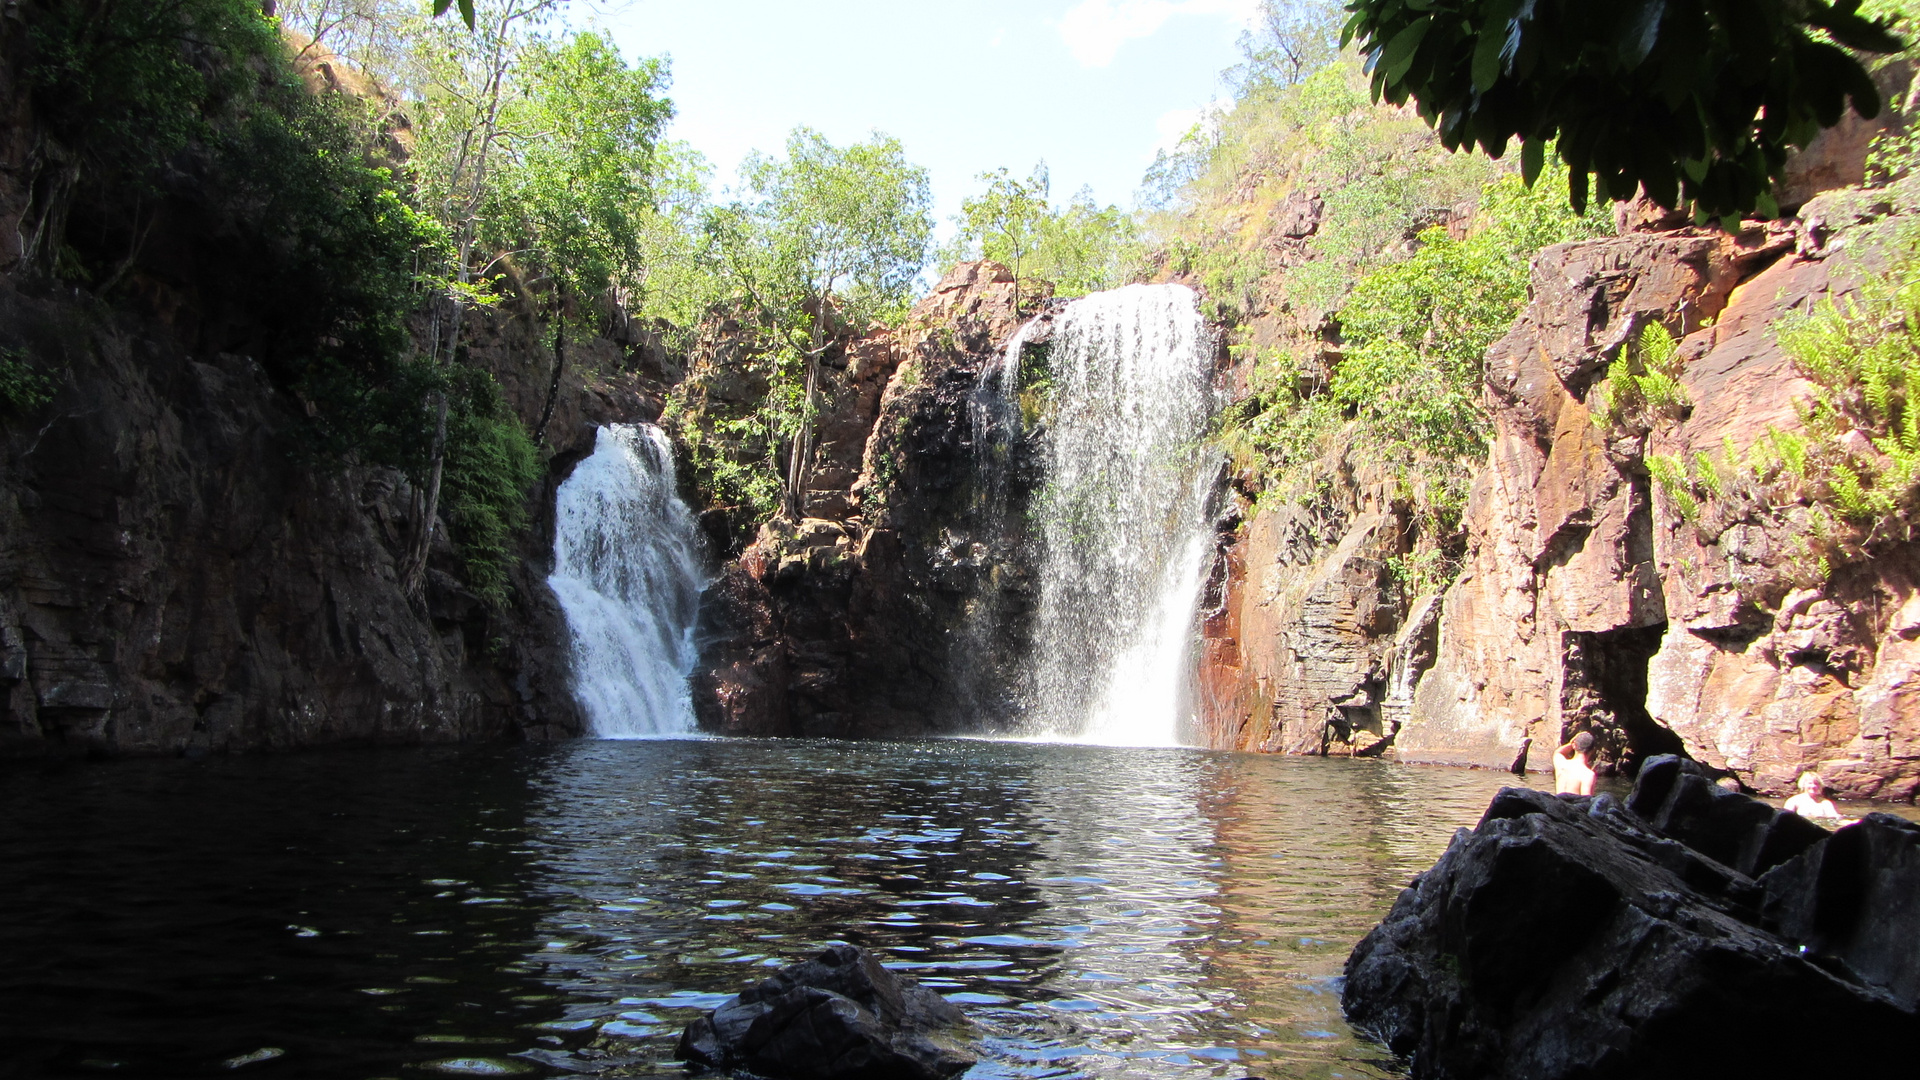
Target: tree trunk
(802, 448)
(414, 575)
(553, 385)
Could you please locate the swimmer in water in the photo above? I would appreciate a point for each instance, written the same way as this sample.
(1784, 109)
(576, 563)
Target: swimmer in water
(1812, 802)
(1573, 766)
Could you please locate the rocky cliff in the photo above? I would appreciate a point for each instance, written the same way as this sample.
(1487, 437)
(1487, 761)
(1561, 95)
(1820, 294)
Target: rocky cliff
(178, 574)
(899, 604)
(1588, 598)
(1591, 602)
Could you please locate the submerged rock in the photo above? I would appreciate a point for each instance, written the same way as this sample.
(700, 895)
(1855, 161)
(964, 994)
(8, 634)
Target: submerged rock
(1571, 937)
(838, 1016)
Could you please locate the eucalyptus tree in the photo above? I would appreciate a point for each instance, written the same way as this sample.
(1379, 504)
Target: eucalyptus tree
(574, 181)
(825, 229)
(463, 88)
(1080, 247)
(1008, 218)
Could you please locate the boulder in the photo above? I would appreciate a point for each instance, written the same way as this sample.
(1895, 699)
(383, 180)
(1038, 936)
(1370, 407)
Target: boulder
(838, 1016)
(1855, 901)
(1679, 799)
(1571, 937)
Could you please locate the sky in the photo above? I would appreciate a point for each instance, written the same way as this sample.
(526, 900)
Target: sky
(1093, 87)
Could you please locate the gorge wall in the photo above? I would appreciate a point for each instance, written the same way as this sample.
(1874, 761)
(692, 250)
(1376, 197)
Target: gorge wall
(1586, 600)
(177, 577)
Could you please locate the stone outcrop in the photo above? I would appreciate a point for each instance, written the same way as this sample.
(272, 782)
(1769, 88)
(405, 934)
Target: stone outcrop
(900, 608)
(1589, 603)
(839, 1016)
(1559, 577)
(1574, 937)
(1308, 646)
(1584, 601)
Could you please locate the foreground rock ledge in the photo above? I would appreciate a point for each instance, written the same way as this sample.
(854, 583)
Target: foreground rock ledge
(1580, 937)
(839, 1016)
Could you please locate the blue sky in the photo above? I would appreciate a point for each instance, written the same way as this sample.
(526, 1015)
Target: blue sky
(1091, 86)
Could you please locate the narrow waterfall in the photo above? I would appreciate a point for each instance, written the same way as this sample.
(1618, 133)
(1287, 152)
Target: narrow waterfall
(1124, 517)
(627, 570)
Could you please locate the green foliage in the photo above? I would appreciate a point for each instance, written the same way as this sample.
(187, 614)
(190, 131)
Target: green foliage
(1425, 571)
(1641, 388)
(1080, 247)
(1862, 356)
(573, 182)
(121, 88)
(730, 458)
(1378, 172)
(850, 223)
(1415, 334)
(1403, 390)
(1005, 220)
(490, 464)
(22, 389)
(1696, 100)
(1854, 468)
(1416, 330)
(1670, 474)
(1289, 40)
(325, 251)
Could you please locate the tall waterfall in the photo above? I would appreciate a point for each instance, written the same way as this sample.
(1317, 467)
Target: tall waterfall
(627, 570)
(1124, 517)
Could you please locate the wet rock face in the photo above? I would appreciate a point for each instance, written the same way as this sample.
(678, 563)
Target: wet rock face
(901, 600)
(839, 1016)
(1570, 937)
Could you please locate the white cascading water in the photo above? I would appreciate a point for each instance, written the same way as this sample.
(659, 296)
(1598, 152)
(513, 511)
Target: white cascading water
(1124, 517)
(627, 570)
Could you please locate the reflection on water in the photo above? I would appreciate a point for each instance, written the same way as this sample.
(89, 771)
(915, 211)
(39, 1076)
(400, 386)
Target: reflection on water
(1099, 912)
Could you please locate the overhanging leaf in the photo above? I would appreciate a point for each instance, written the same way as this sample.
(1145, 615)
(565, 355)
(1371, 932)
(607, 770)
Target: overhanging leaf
(1398, 55)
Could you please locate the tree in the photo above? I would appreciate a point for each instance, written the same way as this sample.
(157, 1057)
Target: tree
(1696, 101)
(1007, 219)
(826, 228)
(575, 172)
(1289, 40)
(1080, 247)
(465, 80)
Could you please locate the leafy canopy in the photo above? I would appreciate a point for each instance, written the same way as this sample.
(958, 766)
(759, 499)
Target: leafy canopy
(847, 222)
(576, 175)
(1080, 247)
(1696, 100)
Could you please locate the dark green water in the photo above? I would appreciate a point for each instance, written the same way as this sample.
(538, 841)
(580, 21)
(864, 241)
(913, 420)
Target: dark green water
(1099, 912)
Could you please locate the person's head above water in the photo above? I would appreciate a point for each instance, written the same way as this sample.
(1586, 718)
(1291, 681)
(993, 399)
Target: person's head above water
(1811, 783)
(1582, 742)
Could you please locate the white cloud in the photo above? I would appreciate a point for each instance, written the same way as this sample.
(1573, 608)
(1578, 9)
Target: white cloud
(1094, 30)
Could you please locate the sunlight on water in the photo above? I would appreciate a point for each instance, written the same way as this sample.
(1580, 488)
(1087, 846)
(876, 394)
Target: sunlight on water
(1098, 912)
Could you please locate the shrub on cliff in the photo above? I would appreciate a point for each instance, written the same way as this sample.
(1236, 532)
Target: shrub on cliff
(1080, 247)
(1853, 467)
(1404, 390)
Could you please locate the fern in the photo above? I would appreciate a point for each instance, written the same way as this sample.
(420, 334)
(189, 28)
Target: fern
(1706, 474)
(1671, 477)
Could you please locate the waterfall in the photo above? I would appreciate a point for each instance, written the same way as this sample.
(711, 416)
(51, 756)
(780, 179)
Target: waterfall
(627, 570)
(1124, 520)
